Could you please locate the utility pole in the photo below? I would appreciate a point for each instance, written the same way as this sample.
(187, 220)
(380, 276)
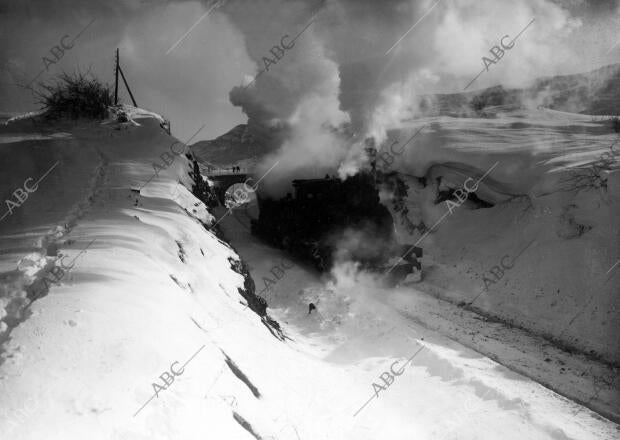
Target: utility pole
(116, 79)
(127, 86)
(118, 70)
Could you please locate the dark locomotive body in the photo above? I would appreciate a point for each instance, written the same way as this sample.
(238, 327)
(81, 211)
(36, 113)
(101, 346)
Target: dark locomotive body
(313, 223)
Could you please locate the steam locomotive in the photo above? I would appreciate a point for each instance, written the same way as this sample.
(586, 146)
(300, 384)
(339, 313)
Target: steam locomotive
(329, 220)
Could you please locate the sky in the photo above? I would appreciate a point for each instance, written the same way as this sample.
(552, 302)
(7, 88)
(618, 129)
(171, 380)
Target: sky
(360, 62)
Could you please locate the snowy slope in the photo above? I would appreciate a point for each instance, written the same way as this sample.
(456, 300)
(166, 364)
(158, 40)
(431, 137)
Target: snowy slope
(86, 357)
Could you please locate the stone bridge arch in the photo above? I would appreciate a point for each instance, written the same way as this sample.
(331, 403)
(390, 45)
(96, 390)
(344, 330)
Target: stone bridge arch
(221, 183)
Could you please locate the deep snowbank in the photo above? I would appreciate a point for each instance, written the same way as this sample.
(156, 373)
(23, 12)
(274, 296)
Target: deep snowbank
(540, 255)
(134, 278)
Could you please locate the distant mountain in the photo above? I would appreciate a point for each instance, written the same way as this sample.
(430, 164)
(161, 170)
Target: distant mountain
(595, 93)
(243, 145)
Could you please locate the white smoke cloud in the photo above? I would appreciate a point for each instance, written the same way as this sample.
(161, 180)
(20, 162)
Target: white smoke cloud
(465, 34)
(339, 71)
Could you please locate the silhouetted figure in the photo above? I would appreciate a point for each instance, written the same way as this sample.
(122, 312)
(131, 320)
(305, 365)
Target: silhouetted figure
(311, 307)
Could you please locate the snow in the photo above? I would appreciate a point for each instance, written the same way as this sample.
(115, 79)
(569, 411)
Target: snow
(453, 388)
(577, 234)
(151, 289)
